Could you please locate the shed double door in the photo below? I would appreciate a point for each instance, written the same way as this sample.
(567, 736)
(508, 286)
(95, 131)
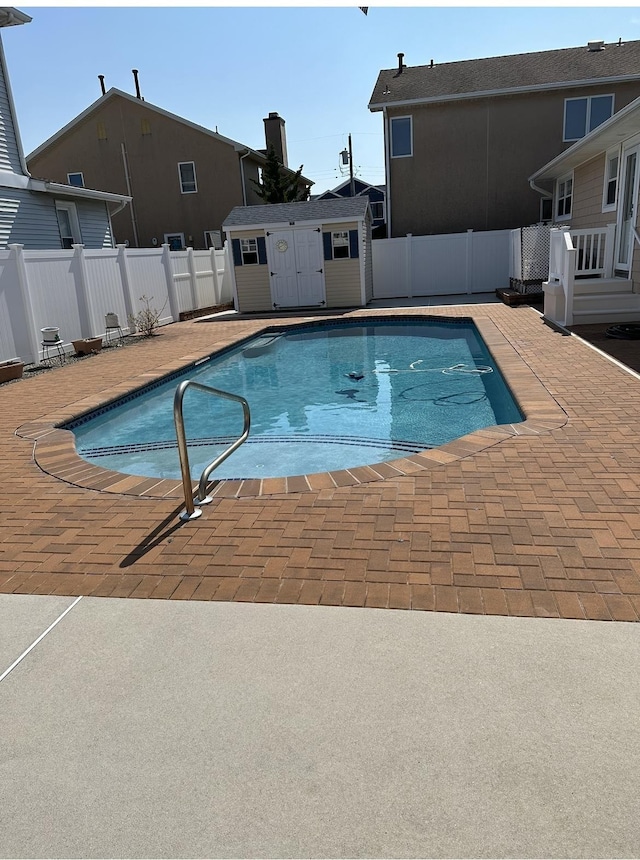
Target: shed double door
(296, 268)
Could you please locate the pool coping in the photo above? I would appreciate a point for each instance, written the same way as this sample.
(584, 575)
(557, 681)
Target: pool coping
(55, 452)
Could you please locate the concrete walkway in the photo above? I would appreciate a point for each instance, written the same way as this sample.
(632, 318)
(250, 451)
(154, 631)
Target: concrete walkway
(192, 729)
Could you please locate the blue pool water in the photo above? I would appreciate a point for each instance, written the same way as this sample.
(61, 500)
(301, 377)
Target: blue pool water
(323, 397)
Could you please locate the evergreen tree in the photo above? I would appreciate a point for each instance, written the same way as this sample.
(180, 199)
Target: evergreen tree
(279, 186)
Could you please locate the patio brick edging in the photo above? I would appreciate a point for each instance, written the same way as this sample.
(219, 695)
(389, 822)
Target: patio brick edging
(55, 452)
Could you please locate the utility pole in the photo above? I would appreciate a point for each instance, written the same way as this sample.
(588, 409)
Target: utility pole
(352, 186)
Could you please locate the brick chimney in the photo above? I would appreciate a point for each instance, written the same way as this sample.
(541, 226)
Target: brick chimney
(274, 134)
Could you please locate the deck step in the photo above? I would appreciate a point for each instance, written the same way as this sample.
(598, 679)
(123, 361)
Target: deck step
(603, 286)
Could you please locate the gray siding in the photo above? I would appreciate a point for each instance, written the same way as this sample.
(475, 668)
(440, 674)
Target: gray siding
(28, 218)
(9, 153)
(94, 224)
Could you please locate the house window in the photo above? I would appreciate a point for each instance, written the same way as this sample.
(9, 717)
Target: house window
(610, 192)
(401, 137)
(340, 244)
(187, 174)
(68, 224)
(583, 115)
(175, 241)
(76, 179)
(249, 250)
(565, 191)
(377, 210)
(546, 209)
(213, 239)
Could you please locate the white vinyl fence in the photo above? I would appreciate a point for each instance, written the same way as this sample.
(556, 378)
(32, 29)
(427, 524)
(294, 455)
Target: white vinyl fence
(74, 289)
(448, 264)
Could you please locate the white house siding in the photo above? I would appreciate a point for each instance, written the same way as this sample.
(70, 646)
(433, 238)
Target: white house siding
(588, 185)
(9, 153)
(94, 224)
(28, 219)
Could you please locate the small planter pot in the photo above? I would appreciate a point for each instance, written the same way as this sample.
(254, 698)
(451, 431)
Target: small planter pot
(11, 369)
(87, 345)
(50, 334)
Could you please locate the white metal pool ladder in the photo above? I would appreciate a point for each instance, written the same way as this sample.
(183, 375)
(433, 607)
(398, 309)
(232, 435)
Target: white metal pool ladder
(192, 512)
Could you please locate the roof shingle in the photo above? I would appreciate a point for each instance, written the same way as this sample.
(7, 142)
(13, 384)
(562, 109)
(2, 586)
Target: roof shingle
(541, 69)
(348, 208)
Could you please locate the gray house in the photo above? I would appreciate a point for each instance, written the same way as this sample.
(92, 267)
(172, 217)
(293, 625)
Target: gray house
(38, 214)
(315, 254)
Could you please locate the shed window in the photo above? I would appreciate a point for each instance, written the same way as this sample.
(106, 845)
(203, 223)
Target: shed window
(187, 174)
(340, 245)
(565, 193)
(249, 250)
(401, 137)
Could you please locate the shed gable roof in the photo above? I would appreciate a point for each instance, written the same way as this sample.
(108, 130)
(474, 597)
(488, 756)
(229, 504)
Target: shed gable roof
(566, 67)
(347, 209)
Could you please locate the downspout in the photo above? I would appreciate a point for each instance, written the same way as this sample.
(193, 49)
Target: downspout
(387, 170)
(125, 164)
(244, 187)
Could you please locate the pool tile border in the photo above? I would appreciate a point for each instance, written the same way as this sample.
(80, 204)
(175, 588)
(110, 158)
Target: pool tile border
(55, 452)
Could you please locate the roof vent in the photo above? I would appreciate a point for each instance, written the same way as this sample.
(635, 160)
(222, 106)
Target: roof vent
(401, 64)
(596, 45)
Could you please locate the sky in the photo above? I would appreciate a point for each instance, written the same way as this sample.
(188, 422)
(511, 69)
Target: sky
(227, 67)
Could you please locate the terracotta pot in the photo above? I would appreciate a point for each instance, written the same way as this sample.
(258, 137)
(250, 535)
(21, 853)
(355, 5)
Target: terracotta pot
(10, 370)
(87, 345)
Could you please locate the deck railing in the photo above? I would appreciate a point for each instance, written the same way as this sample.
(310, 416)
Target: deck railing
(575, 254)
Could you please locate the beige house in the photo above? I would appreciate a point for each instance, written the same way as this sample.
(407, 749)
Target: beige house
(183, 178)
(462, 138)
(594, 266)
(315, 254)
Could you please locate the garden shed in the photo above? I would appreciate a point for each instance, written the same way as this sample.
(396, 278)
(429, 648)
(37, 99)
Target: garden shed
(313, 254)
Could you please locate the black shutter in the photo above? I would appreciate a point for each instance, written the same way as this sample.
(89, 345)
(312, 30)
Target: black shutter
(328, 247)
(237, 253)
(354, 248)
(262, 251)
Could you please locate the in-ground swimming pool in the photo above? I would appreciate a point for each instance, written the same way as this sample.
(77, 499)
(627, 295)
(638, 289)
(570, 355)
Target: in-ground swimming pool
(323, 397)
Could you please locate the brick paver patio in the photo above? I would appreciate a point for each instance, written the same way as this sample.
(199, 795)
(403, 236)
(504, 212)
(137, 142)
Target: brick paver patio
(540, 519)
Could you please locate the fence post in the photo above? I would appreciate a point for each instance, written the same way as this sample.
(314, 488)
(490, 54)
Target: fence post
(174, 306)
(193, 279)
(469, 262)
(33, 342)
(125, 279)
(408, 268)
(82, 292)
(216, 281)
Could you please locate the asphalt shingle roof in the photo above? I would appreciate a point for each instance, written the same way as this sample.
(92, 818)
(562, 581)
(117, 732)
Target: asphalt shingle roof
(512, 72)
(348, 208)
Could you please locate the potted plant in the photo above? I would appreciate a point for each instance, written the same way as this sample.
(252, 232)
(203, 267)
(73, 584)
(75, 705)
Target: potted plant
(87, 345)
(11, 368)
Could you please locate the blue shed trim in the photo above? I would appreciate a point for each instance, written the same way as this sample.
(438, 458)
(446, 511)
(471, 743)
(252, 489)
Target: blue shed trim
(328, 246)
(354, 246)
(237, 253)
(262, 251)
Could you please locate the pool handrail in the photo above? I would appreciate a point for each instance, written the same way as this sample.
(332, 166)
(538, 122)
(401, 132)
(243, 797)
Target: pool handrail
(192, 512)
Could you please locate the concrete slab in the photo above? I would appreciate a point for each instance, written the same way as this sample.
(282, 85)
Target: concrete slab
(23, 617)
(169, 729)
